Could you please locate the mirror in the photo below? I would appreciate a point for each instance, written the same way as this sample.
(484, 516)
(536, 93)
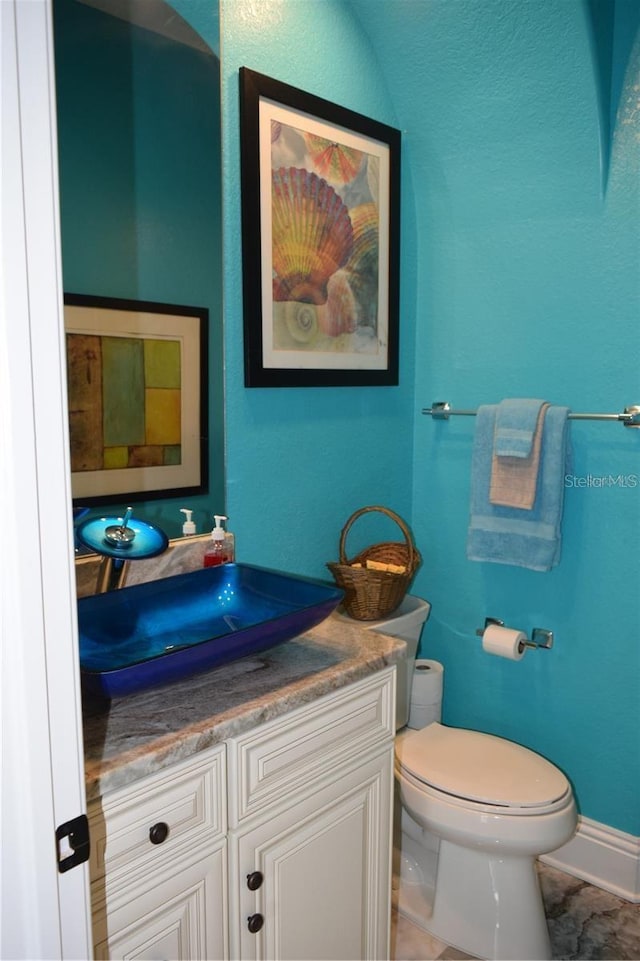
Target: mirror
(138, 102)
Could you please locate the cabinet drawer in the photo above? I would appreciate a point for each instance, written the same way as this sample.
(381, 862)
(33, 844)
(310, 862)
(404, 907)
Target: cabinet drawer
(296, 751)
(189, 798)
(180, 915)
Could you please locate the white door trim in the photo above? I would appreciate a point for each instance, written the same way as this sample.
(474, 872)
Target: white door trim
(44, 914)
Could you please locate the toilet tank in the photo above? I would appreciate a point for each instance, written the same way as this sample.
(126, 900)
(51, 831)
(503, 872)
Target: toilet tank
(406, 622)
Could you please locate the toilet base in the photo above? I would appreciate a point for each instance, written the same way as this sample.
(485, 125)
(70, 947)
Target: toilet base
(412, 892)
(490, 907)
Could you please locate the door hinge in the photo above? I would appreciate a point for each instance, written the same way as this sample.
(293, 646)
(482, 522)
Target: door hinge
(72, 843)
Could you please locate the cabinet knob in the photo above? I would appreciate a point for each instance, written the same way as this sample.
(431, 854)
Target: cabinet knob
(159, 832)
(255, 922)
(254, 880)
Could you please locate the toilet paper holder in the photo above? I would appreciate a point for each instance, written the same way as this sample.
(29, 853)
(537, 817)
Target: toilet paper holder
(540, 636)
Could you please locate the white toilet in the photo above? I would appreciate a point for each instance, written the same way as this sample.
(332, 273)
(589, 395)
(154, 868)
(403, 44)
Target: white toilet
(476, 810)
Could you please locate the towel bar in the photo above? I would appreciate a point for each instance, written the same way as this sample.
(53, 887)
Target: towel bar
(630, 417)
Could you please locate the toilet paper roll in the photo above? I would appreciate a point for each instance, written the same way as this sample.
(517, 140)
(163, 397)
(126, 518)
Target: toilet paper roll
(426, 693)
(504, 642)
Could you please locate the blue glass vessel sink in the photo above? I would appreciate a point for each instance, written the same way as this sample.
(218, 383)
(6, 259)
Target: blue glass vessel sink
(162, 631)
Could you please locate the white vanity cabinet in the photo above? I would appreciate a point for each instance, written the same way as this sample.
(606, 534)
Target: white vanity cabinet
(293, 863)
(158, 865)
(310, 804)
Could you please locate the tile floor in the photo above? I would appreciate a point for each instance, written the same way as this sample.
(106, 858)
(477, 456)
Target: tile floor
(585, 923)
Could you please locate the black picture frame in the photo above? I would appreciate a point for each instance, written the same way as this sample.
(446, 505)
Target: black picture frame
(107, 468)
(320, 240)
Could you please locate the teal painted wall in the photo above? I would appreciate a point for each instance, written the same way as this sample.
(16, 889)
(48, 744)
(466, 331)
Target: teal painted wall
(300, 461)
(519, 277)
(528, 264)
(139, 144)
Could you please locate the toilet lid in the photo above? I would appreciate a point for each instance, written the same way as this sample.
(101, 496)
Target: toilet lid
(480, 767)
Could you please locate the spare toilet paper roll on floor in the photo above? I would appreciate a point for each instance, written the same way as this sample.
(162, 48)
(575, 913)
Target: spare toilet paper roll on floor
(426, 694)
(504, 641)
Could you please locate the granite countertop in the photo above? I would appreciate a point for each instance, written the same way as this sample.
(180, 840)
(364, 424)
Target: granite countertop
(146, 732)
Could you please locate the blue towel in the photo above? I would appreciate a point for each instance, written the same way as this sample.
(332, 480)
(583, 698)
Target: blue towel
(511, 535)
(516, 421)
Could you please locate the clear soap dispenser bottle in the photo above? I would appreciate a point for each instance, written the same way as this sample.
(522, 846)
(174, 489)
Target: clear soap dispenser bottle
(216, 552)
(188, 528)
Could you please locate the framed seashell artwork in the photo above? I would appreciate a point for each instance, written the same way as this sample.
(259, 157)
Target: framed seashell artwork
(320, 240)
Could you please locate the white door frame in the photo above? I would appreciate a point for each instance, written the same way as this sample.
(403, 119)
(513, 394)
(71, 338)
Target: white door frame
(44, 914)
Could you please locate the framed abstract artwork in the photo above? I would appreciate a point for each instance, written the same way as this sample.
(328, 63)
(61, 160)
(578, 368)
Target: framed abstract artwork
(137, 396)
(320, 239)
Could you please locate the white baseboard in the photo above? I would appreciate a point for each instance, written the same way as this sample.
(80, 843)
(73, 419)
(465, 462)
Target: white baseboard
(603, 856)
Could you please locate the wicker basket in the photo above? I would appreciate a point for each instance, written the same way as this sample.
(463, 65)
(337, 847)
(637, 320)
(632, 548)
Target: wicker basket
(374, 594)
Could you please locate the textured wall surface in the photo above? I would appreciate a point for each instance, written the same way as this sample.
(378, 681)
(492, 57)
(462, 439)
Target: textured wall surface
(520, 256)
(301, 460)
(524, 162)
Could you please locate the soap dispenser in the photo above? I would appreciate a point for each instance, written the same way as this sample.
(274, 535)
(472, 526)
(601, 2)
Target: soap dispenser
(216, 552)
(188, 528)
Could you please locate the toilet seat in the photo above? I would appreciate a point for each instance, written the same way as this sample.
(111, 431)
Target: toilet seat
(481, 769)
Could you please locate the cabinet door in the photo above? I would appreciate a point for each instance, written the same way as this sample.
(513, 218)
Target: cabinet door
(181, 917)
(325, 863)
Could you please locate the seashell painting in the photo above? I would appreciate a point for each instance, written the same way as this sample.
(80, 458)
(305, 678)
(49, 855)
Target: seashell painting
(320, 231)
(301, 327)
(341, 314)
(333, 161)
(312, 236)
(363, 264)
(301, 321)
(365, 250)
(373, 178)
(312, 328)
